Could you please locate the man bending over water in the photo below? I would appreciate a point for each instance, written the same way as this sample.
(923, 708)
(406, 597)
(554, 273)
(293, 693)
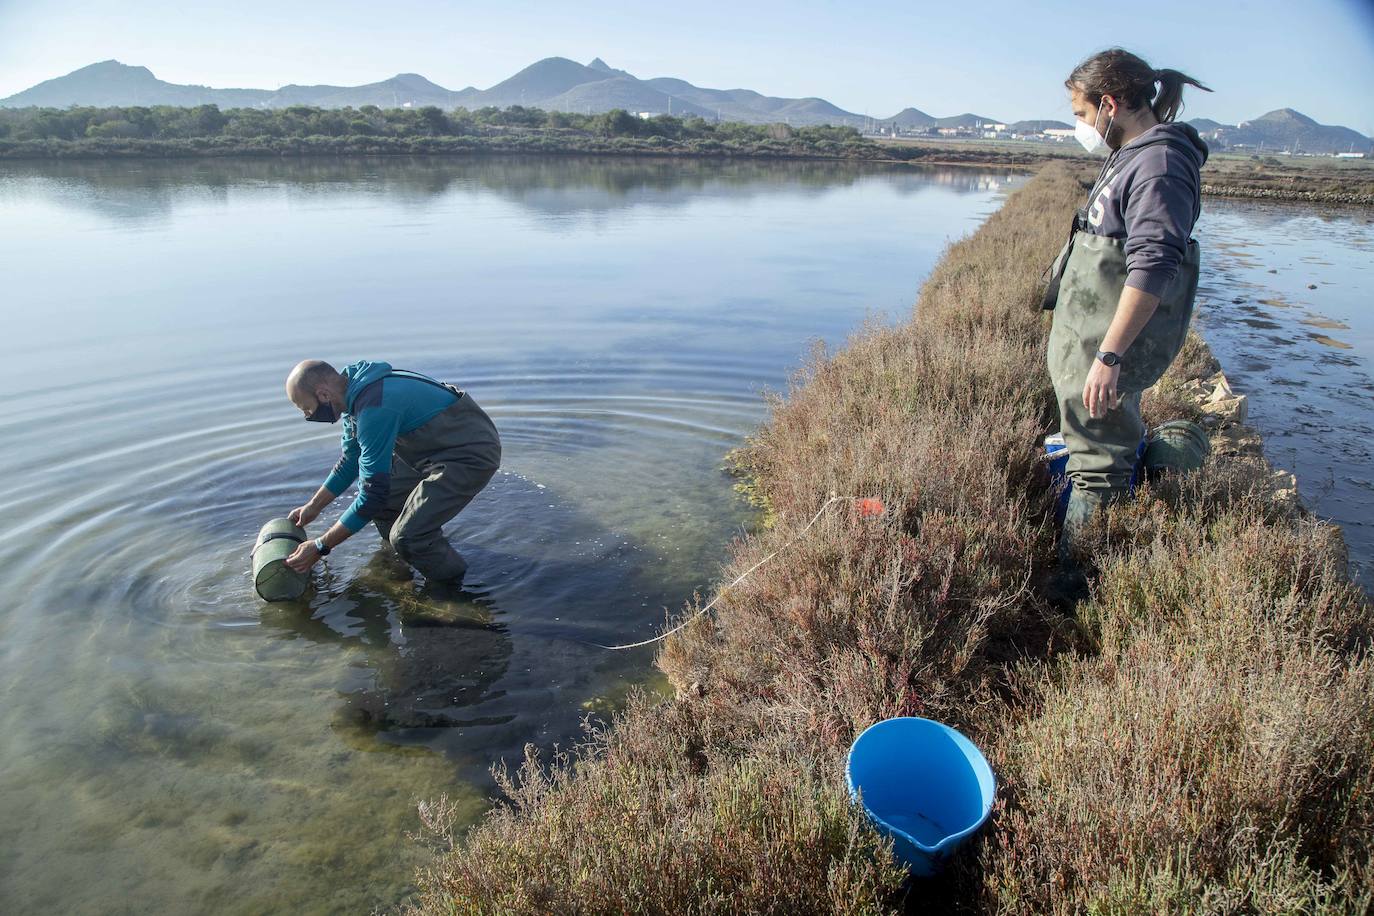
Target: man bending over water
(422, 448)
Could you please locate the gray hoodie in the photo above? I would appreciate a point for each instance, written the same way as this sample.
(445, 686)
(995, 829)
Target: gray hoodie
(1149, 194)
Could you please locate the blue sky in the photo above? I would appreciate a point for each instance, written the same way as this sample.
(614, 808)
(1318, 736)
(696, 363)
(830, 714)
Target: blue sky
(1002, 59)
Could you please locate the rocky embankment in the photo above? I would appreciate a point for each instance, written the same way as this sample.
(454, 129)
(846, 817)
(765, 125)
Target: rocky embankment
(1224, 413)
(1352, 198)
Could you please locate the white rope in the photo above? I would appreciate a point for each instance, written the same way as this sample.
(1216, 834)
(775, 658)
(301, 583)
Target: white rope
(742, 576)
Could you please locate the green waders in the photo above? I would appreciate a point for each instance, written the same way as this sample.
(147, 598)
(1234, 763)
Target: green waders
(1102, 452)
(436, 470)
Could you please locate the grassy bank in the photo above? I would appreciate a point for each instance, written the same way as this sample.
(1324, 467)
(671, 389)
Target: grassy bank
(1198, 735)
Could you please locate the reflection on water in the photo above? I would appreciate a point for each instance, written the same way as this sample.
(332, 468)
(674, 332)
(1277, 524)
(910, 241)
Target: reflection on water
(171, 743)
(1284, 303)
(149, 191)
(429, 654)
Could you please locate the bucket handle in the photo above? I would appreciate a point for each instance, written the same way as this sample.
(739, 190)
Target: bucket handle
(272, 537)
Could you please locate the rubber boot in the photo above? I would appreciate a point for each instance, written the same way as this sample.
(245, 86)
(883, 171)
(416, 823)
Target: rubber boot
(1070, 582)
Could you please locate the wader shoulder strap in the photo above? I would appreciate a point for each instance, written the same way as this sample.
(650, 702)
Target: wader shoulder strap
(1055, 272)
(420, 377)
(415, 377)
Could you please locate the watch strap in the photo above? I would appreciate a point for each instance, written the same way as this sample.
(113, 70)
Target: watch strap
(322, 547)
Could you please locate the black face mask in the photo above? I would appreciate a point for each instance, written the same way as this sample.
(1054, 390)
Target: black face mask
(324, 413)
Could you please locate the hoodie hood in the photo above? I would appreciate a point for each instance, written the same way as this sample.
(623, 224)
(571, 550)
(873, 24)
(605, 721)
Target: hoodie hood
(1183, 136)
(360, 375)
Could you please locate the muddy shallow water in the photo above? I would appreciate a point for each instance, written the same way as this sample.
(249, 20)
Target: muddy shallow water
(1285, 302)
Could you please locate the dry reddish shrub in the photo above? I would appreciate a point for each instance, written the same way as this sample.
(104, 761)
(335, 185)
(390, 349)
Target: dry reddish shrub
(1195, 360)
(655, 821)
(1217, 752)
(1168, 400)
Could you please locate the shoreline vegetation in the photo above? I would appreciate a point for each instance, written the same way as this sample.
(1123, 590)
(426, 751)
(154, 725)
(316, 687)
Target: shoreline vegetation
(1198, 735)
(166, 132)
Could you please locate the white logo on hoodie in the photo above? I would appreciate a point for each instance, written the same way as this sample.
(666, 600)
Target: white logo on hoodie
(1095, 213)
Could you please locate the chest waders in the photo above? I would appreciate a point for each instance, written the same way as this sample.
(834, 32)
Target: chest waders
(436, 470)
(1085, 287)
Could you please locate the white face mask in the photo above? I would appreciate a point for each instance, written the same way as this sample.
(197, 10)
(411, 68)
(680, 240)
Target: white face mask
(1087, 134)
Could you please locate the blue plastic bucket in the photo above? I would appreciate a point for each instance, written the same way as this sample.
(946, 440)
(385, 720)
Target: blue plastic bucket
(923, 784)
(1057, 460)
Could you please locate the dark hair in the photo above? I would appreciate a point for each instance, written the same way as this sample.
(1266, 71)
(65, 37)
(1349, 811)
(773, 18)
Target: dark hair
(1128, 79)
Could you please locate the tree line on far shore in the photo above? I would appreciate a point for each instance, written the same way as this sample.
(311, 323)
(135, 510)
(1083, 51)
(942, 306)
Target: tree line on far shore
(207, 130)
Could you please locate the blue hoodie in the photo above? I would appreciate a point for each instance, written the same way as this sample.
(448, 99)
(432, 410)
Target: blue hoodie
(377, 409)
(1150, 195)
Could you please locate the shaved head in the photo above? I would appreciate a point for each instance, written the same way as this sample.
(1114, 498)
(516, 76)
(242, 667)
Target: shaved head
(310, 374)
(313, 381)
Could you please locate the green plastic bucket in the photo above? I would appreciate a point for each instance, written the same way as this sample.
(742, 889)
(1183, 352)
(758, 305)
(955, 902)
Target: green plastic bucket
(1179, 445)
(273, 579)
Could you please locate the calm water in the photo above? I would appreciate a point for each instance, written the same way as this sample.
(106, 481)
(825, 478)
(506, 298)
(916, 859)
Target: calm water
(168, 743)
(1285, 302)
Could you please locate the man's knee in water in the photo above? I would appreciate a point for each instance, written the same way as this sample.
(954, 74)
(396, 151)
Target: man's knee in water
(404, 544)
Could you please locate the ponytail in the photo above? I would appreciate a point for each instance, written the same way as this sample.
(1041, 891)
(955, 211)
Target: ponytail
(1169, 101)
(1128, 79)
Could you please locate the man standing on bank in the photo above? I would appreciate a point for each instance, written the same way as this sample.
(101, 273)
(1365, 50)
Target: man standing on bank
(422, 448)
(1123, 287)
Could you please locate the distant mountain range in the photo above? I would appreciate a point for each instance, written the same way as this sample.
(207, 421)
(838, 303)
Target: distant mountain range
(559, 84)
(1286, 130)
(554, 83)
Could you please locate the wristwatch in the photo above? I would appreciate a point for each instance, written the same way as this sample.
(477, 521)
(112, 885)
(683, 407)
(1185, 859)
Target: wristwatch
(1108, 358)
(322, 547)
